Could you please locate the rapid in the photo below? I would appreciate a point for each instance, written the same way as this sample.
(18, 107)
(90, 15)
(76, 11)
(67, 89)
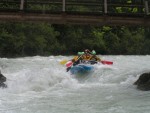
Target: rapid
(42, 85)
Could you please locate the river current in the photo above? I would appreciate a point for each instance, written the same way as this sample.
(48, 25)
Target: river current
(42, 85)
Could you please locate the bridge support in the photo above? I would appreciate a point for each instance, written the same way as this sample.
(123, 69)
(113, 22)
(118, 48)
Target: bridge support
(146, 7)
(21, 5)
(64, 5)
(105, 6)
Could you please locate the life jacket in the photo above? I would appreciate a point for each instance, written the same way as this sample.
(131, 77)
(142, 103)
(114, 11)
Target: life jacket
(86, 57)
(95, 58)
(75, 58)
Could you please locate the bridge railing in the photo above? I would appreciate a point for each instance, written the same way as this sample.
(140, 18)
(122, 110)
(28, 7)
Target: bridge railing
(124, 7)
(85, 6)
(98, 7)
(68, 6)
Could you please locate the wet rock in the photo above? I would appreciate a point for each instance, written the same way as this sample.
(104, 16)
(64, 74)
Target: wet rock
(3, 85)
(2, 80)
(143, 83)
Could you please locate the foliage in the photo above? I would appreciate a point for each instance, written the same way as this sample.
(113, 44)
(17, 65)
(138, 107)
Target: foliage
(28, 39)
(19, 39)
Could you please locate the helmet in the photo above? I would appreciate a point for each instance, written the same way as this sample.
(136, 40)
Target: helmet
(93, 52)
(80, 53)
(86, 50)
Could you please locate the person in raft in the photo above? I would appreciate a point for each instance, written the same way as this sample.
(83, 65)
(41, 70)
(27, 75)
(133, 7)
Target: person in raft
(86, 56)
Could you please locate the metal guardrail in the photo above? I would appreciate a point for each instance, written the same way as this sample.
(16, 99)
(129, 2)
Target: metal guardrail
(136, 7)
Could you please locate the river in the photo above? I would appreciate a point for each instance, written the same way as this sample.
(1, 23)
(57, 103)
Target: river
(42, 85)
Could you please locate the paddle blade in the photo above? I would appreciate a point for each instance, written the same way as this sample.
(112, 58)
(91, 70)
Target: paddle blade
(63, 62)
(69, 64)
(107, 62)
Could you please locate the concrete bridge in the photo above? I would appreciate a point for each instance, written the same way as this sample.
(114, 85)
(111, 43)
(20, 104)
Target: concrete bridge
(88, 12)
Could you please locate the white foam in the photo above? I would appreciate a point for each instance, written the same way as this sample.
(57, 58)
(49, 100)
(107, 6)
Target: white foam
(43, 81)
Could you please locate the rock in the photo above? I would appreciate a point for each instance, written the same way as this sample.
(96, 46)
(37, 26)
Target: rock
(2, 80)
(3, 85)
(143, 83)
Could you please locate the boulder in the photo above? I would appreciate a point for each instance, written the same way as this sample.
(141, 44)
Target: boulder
(143, 82)
(2, 80)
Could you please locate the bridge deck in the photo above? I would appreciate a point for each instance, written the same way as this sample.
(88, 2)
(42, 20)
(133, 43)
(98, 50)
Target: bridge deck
(94, 12)
(64, 18)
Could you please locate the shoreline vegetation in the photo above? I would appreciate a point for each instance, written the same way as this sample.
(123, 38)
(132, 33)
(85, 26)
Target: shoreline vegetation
(44, 39)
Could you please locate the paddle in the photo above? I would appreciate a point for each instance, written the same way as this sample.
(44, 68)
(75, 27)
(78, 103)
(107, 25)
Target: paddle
(69, 64)
(106, 62)
(63, 62)
(102, 61)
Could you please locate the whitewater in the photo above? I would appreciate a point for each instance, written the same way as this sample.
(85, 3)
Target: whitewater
(42, 85)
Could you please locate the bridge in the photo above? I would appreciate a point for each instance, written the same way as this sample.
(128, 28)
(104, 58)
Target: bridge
(86, 12)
